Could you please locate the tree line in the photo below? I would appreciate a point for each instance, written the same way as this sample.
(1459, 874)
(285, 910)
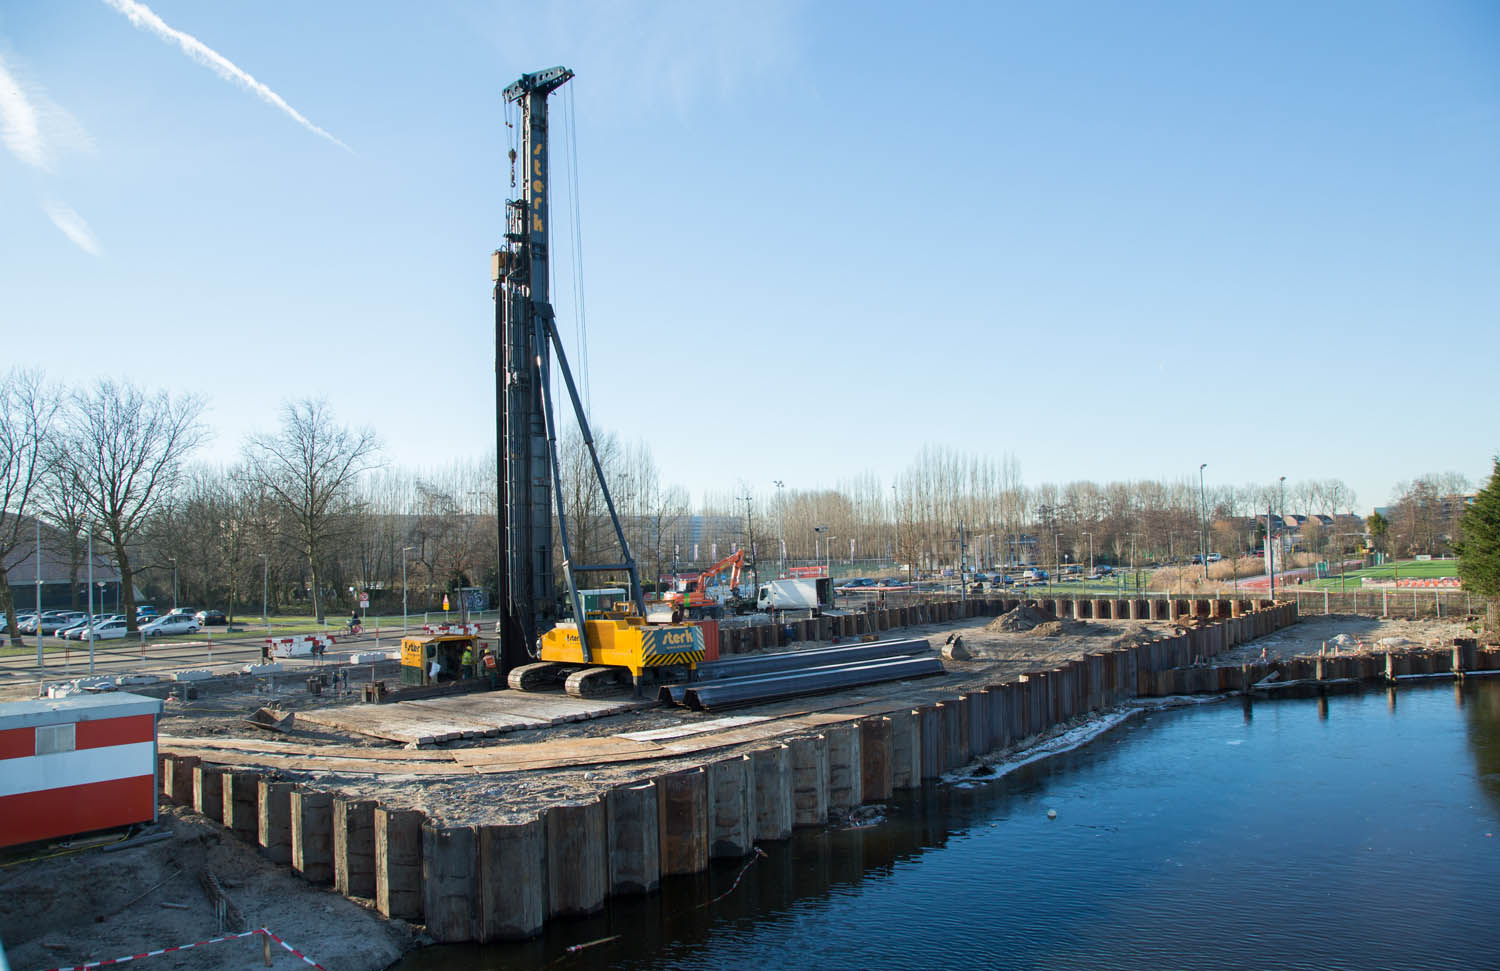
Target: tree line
(309, 516)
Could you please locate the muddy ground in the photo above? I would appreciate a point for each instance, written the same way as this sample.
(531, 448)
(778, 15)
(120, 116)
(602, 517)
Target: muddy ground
(65, 909)
(94, 904)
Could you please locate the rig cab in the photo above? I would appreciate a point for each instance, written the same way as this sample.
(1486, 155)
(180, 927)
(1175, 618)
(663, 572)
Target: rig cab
(444, 653)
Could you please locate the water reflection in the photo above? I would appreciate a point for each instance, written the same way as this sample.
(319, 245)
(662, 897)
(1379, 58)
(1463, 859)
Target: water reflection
(1169, 850)
(1482, 725)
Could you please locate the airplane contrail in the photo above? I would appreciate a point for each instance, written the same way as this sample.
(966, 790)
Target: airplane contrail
(21, 131)
(19, 127)
(73, 227)
(144, 17)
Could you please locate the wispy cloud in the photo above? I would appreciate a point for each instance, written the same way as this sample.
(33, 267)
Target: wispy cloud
(73, 227)
(145, 18)
(19, 128)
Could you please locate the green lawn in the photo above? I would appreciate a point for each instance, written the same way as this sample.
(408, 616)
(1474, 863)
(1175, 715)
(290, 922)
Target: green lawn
(1406, 569)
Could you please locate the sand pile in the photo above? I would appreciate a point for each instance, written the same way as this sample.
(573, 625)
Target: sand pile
(1022, 618)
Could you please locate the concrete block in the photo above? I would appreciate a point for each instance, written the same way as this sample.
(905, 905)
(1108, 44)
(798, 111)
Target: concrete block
(955, 732)
(577, 847)
(906, 750)
(979, 723)
(930, 718)
(450, 882)
(682, 821)
(844, 786)
(771, 776)
(634, 846)
(398, 862)
(241, 808)
(875, 739)
(177, 778)
(208, 791)
(274, 826)
(512, 880)
(354, 846)
(731, 794)
(772, 770)
(312, 835)
(809, 759)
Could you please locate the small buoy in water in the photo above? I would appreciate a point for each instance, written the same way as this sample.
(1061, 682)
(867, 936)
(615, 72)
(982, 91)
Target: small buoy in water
(1052, 814)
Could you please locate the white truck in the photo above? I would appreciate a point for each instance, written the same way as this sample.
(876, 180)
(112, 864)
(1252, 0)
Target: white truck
(813, 593)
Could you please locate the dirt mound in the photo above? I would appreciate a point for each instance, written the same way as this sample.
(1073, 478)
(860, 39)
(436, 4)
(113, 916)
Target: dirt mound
(1022, 618)
(1135, 638)
(1052, 628)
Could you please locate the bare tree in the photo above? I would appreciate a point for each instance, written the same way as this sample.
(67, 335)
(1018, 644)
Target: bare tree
(308, 470)
(125, 449)
(64, 504)
(27, 410)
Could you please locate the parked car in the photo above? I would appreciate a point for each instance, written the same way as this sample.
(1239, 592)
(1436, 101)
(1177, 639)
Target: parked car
(80, 630)
(211, 618)
(1036, 573)
(55, 620)
(172, 624)
(176, 611)
(111, 630)
(68, 632)
(1215, 557)
(145, 612)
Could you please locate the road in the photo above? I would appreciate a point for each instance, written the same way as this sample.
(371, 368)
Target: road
(20, 677)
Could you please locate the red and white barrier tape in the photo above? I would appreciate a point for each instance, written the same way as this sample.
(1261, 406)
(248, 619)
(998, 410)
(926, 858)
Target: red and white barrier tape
(187, 947)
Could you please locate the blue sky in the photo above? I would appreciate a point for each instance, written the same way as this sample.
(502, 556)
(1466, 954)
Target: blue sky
(1114, 240)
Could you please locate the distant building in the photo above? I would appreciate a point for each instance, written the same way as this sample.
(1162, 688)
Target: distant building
(58, 591)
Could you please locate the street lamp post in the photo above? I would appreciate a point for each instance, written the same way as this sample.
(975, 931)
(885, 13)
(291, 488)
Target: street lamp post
(780, 543)
(1091, 551)
(174, 582)
(404, 550)
(1203, 513)
(265, 590)
(1281, 511)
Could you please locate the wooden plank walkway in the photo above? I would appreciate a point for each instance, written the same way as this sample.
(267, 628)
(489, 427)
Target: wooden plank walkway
(692, 736)
(482, 715)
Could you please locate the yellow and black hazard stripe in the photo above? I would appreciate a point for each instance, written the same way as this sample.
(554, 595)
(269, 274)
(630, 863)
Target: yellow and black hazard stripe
(653, 660)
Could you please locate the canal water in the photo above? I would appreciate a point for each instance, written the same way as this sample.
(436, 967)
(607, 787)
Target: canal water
(1359, 831)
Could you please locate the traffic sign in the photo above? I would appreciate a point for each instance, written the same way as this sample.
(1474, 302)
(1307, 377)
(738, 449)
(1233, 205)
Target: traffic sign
(364, 601)
(445, 601)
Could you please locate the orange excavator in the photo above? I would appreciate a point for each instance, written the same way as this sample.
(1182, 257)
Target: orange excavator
(694, 599)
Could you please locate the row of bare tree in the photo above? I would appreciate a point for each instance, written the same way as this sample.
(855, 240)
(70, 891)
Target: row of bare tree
(308, 516)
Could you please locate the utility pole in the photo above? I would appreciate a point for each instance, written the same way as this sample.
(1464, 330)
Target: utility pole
(39, 660)
(963, 564)
(1270, 560)
(780, 543)
(1203, 523)
(91, 598)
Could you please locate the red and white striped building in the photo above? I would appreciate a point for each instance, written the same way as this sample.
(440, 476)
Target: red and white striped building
(71, 765)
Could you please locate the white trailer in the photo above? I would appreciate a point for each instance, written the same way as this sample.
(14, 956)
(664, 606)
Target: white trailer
(813, 593)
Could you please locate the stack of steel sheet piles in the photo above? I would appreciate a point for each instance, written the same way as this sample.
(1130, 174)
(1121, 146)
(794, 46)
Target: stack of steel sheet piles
(766, 677)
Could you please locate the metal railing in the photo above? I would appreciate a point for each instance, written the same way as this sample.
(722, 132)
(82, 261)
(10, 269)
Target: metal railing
(1415, 604)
